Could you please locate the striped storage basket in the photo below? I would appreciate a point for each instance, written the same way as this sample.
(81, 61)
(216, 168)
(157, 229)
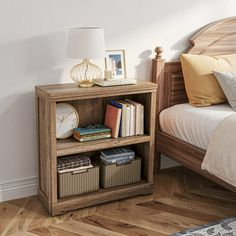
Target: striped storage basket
(112, 175)
(78, 182)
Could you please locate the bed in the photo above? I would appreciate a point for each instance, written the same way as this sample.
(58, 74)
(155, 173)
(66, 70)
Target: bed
(217, 38)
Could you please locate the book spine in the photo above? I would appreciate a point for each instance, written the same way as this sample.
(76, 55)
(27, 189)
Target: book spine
(123, 129)
(90, 138)
(142, 121)
(132, 120)
(118, 124)
(82, 131)
(115, 160)
(90, 135)
(138, 116)
(118, 156)
(128, 120)
(122, 121)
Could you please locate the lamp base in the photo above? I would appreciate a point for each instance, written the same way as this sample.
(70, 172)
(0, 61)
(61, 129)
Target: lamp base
(85, 84)
(85, 73)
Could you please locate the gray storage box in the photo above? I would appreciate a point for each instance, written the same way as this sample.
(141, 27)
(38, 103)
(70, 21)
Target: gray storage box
(78, 182)
(112, 175)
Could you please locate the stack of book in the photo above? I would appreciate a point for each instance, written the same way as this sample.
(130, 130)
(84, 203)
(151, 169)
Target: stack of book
(125, 118)
(117, 155)
(73, 163)
(92, 132)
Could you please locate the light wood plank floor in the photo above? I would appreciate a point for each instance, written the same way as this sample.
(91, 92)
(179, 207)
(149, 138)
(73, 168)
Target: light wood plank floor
(181, 200)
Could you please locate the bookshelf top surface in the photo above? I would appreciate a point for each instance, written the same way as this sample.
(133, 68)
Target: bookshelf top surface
(70, 91)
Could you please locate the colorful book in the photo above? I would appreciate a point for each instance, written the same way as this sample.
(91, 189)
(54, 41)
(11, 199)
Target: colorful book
(93, 137)
(113, 119)
(92, 129)
(122, 130)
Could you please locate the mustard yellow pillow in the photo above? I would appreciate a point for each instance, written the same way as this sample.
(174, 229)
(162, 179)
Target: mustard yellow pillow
(201, 86)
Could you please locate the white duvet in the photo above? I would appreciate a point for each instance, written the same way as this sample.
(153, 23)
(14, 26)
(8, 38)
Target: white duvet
(211, 128)
(194, 125)
(220, 158)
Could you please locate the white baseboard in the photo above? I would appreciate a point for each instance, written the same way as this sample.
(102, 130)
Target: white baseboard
(18, 189)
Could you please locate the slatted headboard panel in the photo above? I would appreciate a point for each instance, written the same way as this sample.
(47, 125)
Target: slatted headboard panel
(217, 38)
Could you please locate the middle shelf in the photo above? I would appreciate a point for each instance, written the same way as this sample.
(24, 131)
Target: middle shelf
(72, 146)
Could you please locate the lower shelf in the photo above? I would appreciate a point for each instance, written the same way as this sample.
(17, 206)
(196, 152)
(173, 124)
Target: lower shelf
(101, 196)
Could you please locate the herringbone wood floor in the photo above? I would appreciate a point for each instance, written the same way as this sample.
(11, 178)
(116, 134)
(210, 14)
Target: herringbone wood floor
(181, 200)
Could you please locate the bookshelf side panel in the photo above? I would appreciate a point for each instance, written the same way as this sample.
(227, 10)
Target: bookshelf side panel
(44, 155)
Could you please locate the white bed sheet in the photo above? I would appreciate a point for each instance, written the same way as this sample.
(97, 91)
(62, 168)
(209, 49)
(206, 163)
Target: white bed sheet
(194, 125)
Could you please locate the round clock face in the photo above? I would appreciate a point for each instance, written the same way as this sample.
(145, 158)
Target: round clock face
(67, 119)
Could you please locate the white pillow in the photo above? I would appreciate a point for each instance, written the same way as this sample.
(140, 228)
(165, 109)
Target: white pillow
(227, 81)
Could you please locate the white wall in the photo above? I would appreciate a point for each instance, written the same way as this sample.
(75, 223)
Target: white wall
(33, 35)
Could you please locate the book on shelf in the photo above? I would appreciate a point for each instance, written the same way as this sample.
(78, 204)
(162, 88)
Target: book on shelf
(133, 119)
(92, 137)
(127, 122)
(92, 129)
(126, 114)
(119, 155)
(77, 169)
(117, 152)
(73, 161)
(142, 120)
(139, 116)
(112, 119)
(117, 160)
(91, 132)
(122, 129)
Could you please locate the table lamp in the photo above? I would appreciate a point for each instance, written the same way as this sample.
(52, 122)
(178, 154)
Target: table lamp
(86, 43)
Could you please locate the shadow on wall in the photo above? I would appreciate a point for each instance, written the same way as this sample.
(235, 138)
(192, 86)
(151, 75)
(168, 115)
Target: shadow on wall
(24, 64)
(143, 69)
(182, 45)
(32, 60)
(18, 135)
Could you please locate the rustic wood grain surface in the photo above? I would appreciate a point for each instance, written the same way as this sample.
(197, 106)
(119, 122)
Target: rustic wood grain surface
(181, 200)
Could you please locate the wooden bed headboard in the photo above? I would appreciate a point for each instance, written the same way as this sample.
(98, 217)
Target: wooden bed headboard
(217, 38)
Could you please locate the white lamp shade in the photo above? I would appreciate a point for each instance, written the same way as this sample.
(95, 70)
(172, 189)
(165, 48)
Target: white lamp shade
(86, 43)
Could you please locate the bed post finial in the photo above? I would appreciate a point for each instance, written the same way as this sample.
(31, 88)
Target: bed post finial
(158, 51)
(158, 65)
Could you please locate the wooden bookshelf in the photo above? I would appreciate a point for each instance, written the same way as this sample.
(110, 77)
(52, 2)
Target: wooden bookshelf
(90, 104)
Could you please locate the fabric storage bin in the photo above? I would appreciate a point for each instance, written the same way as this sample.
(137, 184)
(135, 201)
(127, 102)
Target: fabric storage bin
(78, 182)
(112, 175)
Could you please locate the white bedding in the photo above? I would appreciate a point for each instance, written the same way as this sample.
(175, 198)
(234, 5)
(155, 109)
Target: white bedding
(220, 158)
(195, 125)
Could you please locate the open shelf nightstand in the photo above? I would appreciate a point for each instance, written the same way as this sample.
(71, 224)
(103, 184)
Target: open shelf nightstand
(91, 106)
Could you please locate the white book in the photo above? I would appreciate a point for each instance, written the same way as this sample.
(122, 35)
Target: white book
(132, 120)
(132, 117)
(128, 119)
(115, 82)
(137, 115)
(142, 121)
